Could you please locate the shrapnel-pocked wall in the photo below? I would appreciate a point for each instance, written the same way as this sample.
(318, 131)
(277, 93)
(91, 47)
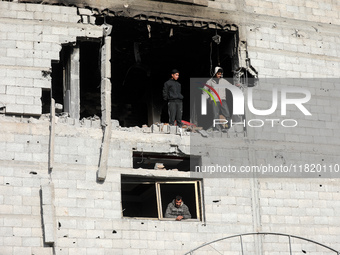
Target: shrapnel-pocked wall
(66, 210)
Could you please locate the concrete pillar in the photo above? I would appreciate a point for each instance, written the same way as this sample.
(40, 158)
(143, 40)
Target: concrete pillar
(52, 135)
(154, 114)
(106, 106)
(72, 79)
(255, 205)
(105, 81)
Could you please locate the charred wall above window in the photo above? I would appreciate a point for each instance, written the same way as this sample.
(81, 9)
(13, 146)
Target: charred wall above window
(178, 10)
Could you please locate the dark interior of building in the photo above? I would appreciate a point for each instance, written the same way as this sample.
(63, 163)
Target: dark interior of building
(148, 160)
(139, 200)
(143, 55)
(57, 80)
(90, 69)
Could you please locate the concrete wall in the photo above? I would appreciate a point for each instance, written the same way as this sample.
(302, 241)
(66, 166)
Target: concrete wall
(31, 37)
(307, 10)
(88, 213)
(283, 40)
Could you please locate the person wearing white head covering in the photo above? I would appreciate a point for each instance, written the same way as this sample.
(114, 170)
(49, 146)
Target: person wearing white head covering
(219, 109)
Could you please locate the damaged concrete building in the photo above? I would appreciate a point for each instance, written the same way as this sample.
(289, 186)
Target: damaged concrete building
(81, 130)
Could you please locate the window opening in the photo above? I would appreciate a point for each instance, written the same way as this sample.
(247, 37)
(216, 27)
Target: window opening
(144, 53)
(164, 161)
(139, 199)
(169, 190)
(149, 198)
(76, 79)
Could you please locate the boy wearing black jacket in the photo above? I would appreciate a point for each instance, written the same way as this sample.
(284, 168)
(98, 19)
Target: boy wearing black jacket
(172, 93)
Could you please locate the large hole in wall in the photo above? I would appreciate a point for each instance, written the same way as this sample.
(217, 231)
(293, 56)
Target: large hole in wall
(143, 55)
(90, 79)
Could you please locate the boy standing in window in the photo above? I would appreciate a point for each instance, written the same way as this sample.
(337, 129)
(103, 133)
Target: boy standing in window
(172, 93)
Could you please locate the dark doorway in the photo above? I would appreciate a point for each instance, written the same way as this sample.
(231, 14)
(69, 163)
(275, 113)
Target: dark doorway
(90, 79)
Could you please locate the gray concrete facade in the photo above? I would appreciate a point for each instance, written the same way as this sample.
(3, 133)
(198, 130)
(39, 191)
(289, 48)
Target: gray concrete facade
(70, 202)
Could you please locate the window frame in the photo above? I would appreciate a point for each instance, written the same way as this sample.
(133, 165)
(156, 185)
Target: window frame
(198, 196)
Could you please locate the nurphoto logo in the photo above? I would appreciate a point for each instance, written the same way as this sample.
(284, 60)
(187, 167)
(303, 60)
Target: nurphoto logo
(239, 104)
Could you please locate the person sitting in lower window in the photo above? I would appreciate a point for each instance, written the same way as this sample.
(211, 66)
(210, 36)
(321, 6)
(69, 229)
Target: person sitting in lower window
(177, 209)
